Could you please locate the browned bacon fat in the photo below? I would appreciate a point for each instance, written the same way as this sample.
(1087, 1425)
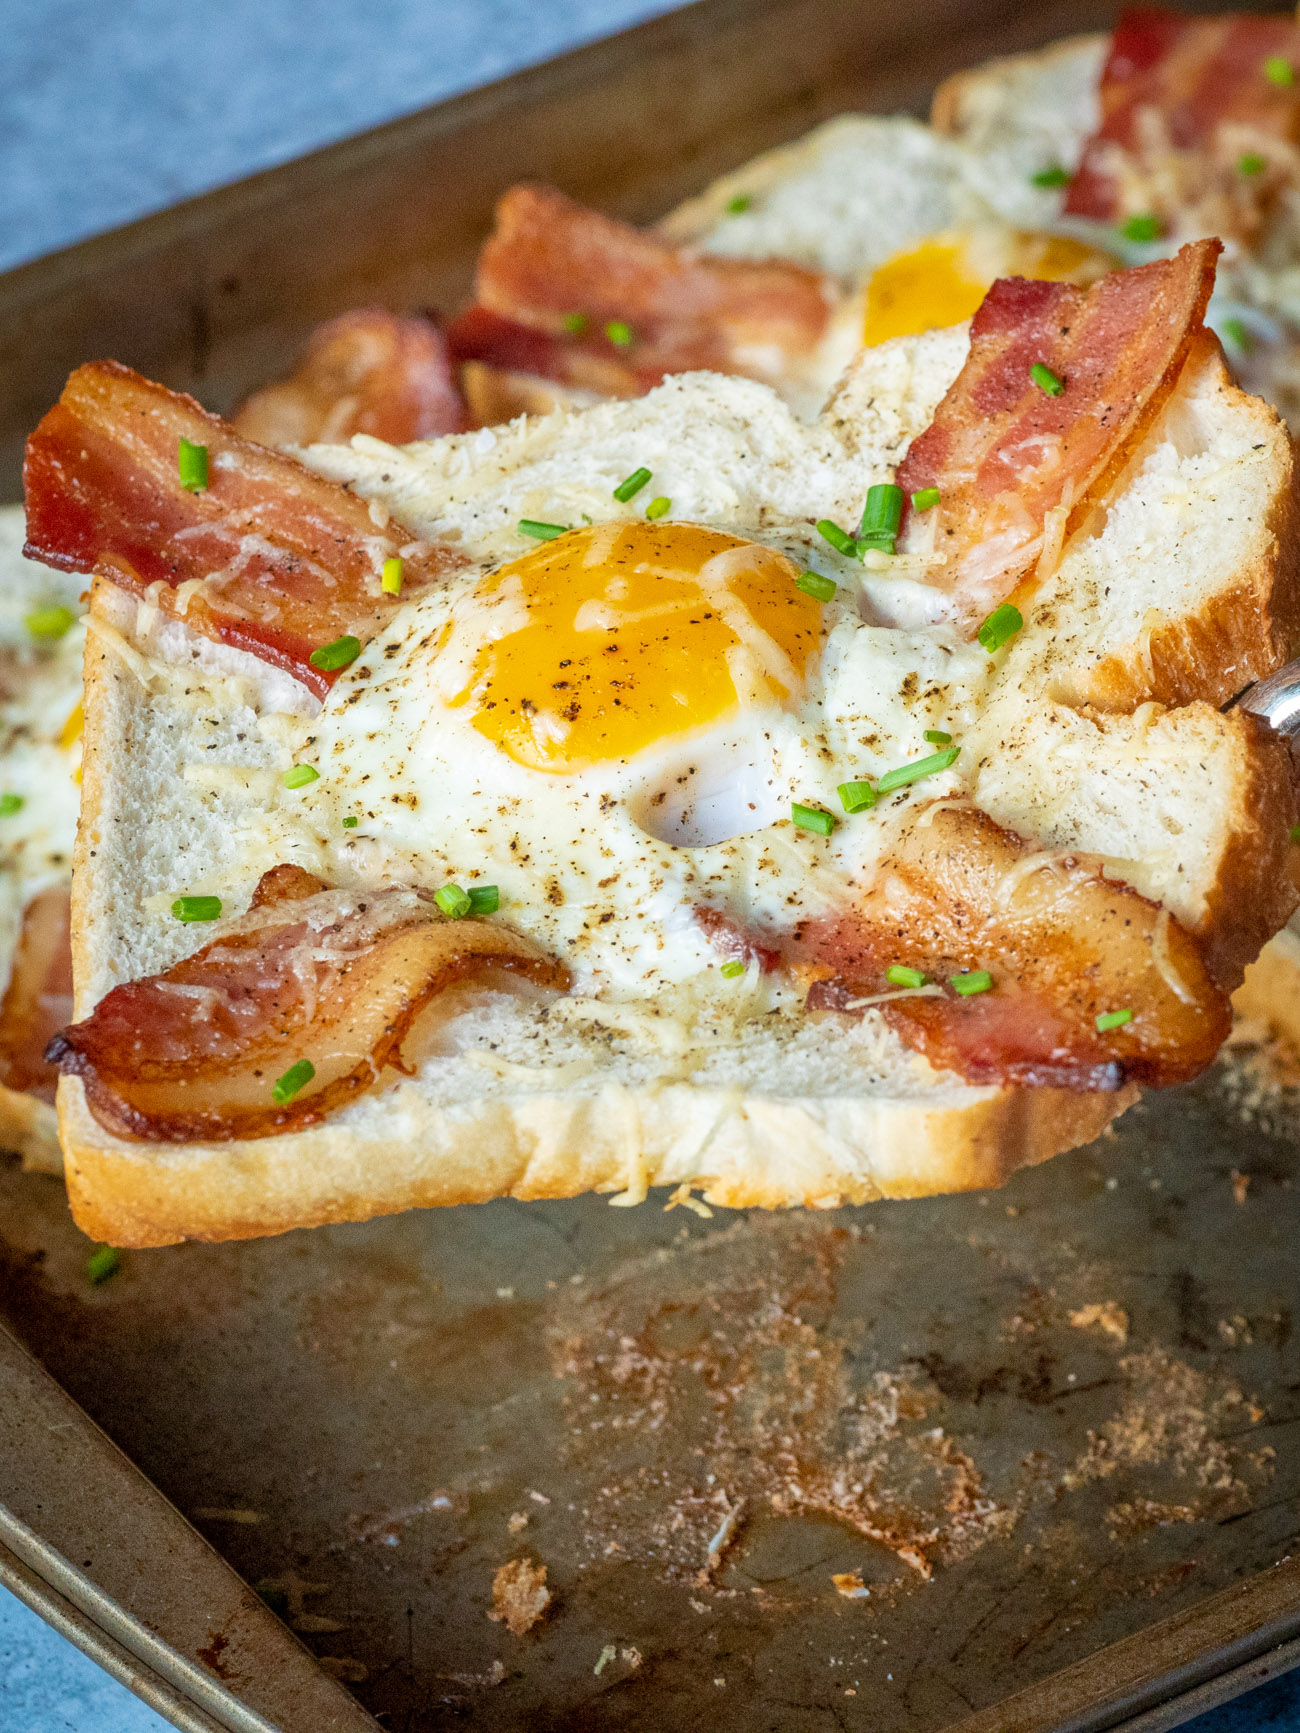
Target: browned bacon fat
(1200, 118)
(1062, 944)
(368, 371)
(1059, 384)
(579, 297)
(282, 562)
(333, 978)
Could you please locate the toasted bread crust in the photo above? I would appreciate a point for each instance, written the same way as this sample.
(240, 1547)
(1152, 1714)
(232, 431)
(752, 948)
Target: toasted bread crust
(952, 102)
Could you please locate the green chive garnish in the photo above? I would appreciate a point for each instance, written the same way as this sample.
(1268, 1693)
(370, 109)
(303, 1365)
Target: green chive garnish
(1113, 1020)
(881, 516)
(192, 462)
(1293, 833)
(619, 333)
(1279, 70)
(390, 581)
(351, 821)
(629, 489)
(1046, 380)
(937, 737)
(1236, 333)
(925, 498)
(738, 204)
(732, 969)
(484, 900)
(977, 981)
(296, 1078)
(575, 323)
(906, 773)
(840, 540)
(1143, 228)
(856, 796)
(197, 908)
(453, 901)
(1055, 176)
(812, 818)
(541, 532)
(1251, 163)
(819, 588)
(49, 623)
(901, 976)
(1002, 624)
(10, 804)
(658, 508)
(102, 1263)
(300, 775)
(336, 655)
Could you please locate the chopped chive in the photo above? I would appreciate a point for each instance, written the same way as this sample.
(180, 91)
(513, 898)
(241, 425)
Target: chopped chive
(192, 464)
(937, 737)
(975, 981)
(453, 901)
(197, 908)
(658, 508)
(1113, 1020)
(1144, 228)
(632, 486)
(901, 976)
(1000, 627)
(296, 1078)
(10, 804)
(925, 498)
(274, 1594)
(1055, 176)
(840, 540)
(937, 761)
(881, 516)
(812, 818)
(1293, 833)
(1279, 70)
(102, 1263)
(49, 623)
(738, 204)
(337, 655)
(541, 532)
(390, 579)
(732, 969)
(576, 323)
(299, 775)
(1251, 163)
(819, 588)
(484, 900)
(1046, 380)
(351, 821)
(1236, 333)
(619, 333)
(856, 796)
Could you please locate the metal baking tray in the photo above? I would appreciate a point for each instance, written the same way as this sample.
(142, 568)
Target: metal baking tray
(1044, 1438)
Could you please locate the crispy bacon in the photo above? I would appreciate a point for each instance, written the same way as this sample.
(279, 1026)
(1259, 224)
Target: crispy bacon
(551, 262)
(731, 941)
(38, 999)
(368, 371)
(335, 977)
(1004, 454)
(1182, 100)
(283, 560)
(1062, 943)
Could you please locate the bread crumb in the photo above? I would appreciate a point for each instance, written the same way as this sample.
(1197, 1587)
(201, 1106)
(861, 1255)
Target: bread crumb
(1108, 1316)
(850, 1585)
(518, 1521)
(519, 1595)
(1240, 1186)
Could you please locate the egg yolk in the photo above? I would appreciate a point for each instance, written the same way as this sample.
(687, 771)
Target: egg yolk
(613, 638)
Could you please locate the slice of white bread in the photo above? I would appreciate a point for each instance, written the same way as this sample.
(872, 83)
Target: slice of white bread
(185, 743)
(40, 756)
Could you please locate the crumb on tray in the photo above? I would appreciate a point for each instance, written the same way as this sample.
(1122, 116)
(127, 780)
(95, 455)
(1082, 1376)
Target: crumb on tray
(519, 1595)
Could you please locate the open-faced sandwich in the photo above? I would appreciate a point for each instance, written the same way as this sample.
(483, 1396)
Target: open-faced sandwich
(673, 791)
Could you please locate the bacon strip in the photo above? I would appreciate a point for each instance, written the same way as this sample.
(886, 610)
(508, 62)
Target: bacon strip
(38, 999)
(289, 561)
(550, 259)
(1182, 99)
(336, 977)
(1003, 453)
(1062, 944)
(367, 371)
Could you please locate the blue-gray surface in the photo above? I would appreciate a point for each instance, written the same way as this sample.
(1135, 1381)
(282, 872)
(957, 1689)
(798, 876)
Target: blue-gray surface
(107, 112)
